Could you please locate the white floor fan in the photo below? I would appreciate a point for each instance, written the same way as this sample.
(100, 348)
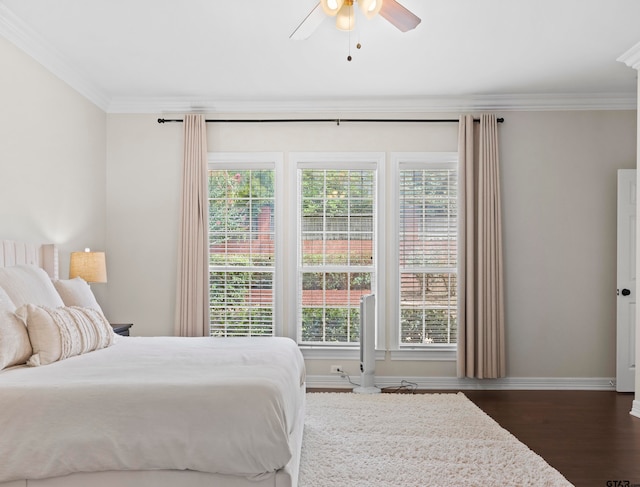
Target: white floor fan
(367, 346)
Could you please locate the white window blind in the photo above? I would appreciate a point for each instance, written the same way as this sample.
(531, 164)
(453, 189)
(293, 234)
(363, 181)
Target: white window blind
(428, 223)
(241, 252)
(336, 252)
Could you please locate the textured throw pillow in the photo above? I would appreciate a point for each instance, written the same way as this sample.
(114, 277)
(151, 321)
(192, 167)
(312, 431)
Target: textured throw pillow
(29, 284)
(59, 333)
(15, 347)
(76, 292)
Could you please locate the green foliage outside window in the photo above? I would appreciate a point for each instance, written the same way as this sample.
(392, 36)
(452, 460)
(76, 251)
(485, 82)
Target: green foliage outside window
(331, 325)
(424, 326)
(337, 219)
(237, 300)
(236, 198)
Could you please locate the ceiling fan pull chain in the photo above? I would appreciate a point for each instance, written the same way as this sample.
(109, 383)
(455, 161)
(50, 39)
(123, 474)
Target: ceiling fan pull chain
(349, 55)
(358, 44)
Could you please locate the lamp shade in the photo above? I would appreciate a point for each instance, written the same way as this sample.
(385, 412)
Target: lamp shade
(370, 8)
(345, 19)
(331, 7)
(90, 266)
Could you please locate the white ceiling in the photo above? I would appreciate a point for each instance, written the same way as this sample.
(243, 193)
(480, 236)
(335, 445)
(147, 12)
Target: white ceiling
(150, 55)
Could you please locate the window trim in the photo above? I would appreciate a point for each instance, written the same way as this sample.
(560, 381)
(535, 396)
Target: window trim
(337, 160)
(402, 161)
(256, 161)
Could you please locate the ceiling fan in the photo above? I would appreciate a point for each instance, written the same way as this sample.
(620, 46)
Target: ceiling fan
(390, 10)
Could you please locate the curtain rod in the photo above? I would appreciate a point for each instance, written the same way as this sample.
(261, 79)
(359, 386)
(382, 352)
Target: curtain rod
(337, 121)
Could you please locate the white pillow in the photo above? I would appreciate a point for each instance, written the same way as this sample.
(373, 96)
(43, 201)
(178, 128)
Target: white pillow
(29, 284)
(60, 333)
(76, 292)
(15, 347)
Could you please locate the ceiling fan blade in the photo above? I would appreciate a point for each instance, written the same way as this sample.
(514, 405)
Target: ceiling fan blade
(399, 16)
(309, 24)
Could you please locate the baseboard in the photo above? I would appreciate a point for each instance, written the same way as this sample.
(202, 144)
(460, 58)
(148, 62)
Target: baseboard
(453, 383)
(635, 410)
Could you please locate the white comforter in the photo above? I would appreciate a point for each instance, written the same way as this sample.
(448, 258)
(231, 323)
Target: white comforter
(209, 404)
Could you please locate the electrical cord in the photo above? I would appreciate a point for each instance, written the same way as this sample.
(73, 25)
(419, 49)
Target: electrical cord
(405, 385)
(344, 375)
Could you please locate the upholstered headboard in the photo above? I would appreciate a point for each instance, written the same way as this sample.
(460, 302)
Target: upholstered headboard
(17, 253)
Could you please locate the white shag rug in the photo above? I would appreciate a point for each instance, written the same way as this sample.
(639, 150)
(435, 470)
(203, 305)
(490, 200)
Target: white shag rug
(407, 440)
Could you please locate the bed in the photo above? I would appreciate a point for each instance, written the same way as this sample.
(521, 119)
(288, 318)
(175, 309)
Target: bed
(106, 410)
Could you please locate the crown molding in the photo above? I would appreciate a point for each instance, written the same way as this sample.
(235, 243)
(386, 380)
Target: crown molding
(632, 57)
(22, 36)
(439, 104)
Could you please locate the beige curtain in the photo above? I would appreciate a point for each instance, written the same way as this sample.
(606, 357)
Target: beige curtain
(481, 346)
(192, 306)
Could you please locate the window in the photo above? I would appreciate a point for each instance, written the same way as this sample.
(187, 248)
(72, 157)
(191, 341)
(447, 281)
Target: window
(337, 262)
(242, 250)
(335, 208)
(427, 250)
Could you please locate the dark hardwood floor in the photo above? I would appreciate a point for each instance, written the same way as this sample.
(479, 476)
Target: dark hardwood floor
(588, 436)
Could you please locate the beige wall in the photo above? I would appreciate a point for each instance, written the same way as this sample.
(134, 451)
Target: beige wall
(559, 207)
(559, 184)
(52, 160)
(143, 183)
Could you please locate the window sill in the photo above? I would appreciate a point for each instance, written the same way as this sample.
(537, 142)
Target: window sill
(444, 353)
(330, 353)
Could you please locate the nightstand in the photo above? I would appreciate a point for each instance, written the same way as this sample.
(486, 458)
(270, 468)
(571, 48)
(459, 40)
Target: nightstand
(121, 328)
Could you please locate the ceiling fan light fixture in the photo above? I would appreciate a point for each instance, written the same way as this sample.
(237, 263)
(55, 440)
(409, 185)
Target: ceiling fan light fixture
(345, 20)
(331, 7)
(370, 8)
(390, 10)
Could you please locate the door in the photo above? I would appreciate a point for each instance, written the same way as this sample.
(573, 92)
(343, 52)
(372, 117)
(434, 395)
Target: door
(626, 305)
